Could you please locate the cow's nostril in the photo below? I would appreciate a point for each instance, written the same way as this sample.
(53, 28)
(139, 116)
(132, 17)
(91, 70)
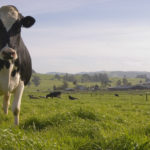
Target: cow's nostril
(12, 53)
(9, 54)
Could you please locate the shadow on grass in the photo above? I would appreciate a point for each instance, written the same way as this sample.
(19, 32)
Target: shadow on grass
(35, 123)
(86, 114)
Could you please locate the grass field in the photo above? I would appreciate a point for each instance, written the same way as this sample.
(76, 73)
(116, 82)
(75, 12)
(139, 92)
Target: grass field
(97, 121)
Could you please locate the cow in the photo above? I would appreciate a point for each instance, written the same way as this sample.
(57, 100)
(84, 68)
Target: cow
(33, 97)
(54, 94)
(42, 96)
(117, 95)
(15, 60)
(72, 98)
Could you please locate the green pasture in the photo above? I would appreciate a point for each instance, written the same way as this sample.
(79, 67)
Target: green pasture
(96, 121)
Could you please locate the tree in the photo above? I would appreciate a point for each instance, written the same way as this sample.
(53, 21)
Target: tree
(36, 80)
(97, 77)
(65, 85)
(118, 83)
(69, 77)
(54, 87)
(85, 78)
(125, 81)
(129, 83)
(58, 77)
(147, 80)
(144, 76)
(104, 80)
(96, 87)
(62, 87)
(74, 82)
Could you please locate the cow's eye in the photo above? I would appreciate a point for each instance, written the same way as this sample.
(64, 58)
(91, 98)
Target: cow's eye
(15, 29)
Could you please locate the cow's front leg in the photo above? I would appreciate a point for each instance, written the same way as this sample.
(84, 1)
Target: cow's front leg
(17, 102)
(6, 102)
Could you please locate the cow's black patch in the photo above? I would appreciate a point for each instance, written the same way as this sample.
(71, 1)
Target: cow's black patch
(1, 64)
(4, 37)
(15, 29)
(7, 64)
(16, 63)
(13, 73)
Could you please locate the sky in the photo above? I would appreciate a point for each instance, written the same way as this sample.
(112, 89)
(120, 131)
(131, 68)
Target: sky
(87, 35)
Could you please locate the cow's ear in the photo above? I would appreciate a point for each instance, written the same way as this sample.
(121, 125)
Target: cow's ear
(27, 21)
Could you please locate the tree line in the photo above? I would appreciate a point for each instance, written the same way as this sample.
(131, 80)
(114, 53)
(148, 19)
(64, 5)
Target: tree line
(101, 78)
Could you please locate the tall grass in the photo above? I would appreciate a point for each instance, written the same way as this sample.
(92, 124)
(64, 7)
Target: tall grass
(98, 121)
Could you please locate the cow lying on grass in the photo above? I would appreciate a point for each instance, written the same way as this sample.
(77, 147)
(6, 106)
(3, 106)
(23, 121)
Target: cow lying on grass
(15, 61)
(54, 94)
(72, 98)
(36, 97)
(33, 97)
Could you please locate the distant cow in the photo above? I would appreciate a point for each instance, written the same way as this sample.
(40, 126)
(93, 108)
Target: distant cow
(33, 97)
(15, 61)
(117, 95)
(42, 96)
(53, 94)
(72, 98)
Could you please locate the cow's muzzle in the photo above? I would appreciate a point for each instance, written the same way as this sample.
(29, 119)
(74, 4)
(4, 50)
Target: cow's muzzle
(9, 54)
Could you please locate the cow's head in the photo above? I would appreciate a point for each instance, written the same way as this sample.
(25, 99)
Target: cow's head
(11, 22)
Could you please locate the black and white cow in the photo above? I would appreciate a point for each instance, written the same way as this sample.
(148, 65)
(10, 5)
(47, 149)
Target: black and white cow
(54, 94)
(15, 61)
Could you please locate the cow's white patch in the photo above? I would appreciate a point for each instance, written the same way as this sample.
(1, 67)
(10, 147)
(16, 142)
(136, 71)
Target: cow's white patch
(14, 82)
(7, 82)
(17, 101)
(8, 15)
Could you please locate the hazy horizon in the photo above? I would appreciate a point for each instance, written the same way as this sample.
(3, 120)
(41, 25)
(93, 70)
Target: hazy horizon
(87, 35)
(100, 71)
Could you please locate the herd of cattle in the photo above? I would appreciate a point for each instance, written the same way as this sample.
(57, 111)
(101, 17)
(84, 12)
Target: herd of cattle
(52, 95)
(57, 94)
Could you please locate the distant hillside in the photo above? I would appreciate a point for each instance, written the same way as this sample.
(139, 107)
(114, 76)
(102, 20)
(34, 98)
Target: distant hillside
(54, 73)
(119, 74)
(128, 74)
